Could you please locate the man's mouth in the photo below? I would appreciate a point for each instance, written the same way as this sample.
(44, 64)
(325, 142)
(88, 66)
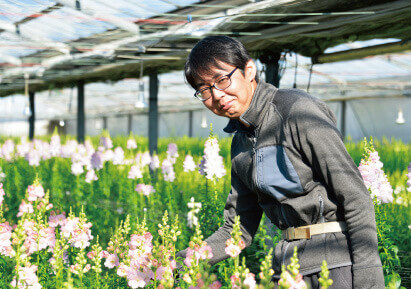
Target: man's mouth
(227, 105)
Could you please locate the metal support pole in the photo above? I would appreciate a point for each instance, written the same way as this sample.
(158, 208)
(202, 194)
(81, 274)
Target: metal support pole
(343, 114)
(105, 122)
(153, 113)
(190, 123)
(80, 112)
(271, 67)
(130, 123)
(32, 117)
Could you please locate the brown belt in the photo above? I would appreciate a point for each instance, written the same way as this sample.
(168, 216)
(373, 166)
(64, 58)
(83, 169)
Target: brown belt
(305, 232)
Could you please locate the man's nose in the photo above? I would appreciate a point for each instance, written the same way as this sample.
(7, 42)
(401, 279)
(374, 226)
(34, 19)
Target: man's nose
(217, 94)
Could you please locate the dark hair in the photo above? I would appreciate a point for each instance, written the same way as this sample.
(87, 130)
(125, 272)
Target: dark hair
(209, 51)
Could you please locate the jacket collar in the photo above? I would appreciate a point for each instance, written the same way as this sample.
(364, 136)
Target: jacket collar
(254, 114)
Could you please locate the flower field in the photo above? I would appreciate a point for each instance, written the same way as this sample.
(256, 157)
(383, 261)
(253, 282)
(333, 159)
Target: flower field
(107, 214)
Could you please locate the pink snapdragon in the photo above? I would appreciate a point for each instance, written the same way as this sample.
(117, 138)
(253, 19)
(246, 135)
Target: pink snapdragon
(297, 283)
(118, 158)
(77, 168)
(145, 189)
(38, 237)
(55, 145)
(135, 172)
(198, 253)
(155, 163)
(168, 170)
(172, 152)
(97, 160)
(189, 164)
(27, 278)
(76, 268)
(57, 220)
(35, 192)
(409, 178)
(112, 261)
(33, 157)
(25, 208)
(77, 233)
(91, 176)
(7, 150)
(106, 142)
(212, 163)
(5, 240)
(375, 179)
(233, 250)
(131, 143)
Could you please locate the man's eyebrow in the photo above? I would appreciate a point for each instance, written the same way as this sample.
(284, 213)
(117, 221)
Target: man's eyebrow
(215, 77)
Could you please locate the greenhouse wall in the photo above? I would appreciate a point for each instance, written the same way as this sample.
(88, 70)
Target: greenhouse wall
(367, 117)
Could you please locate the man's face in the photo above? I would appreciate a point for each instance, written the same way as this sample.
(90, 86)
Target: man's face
(233, 101)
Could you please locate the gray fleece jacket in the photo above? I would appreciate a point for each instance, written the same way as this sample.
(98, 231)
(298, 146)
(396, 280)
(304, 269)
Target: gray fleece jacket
(291, 164)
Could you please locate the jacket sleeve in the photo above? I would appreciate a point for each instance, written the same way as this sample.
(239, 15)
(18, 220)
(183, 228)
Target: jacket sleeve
(242, 202)
(314, 132)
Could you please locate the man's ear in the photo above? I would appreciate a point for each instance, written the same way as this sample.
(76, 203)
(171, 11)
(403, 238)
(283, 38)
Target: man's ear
(250, 70)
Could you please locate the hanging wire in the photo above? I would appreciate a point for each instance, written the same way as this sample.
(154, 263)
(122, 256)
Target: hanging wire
(309, 77)
(295, 71)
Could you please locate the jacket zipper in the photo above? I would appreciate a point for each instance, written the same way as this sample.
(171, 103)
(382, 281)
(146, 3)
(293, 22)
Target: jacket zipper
(321, 209)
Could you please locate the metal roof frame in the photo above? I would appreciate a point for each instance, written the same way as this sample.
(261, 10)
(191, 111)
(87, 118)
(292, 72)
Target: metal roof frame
(163, 40)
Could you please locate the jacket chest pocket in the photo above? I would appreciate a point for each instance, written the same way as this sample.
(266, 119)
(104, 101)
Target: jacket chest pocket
(275, 174)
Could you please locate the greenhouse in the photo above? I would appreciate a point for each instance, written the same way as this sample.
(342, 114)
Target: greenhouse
(110, 167)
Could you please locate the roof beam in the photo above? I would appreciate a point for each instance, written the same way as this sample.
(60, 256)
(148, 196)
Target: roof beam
(88, 10)
(10, 59)
(358, 53)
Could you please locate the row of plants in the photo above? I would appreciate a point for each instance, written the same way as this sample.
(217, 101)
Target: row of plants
(108, 180)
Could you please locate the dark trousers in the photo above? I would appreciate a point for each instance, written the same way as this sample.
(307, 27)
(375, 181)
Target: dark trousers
(342, 279)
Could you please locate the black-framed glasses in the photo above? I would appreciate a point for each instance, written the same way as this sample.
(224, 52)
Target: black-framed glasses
(220, 84)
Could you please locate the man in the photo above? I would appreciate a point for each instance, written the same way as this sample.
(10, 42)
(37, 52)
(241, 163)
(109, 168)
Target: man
(288, 161)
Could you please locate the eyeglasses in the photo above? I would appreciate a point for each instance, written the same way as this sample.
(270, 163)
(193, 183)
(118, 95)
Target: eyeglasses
(220, 84)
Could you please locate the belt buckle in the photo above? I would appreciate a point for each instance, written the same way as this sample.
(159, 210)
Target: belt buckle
(298, 233)
(290, 234)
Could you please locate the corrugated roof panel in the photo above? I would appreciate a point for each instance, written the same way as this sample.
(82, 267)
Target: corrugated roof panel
(65, 24)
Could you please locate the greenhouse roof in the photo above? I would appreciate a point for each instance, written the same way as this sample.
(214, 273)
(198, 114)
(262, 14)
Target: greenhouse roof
(48, 44)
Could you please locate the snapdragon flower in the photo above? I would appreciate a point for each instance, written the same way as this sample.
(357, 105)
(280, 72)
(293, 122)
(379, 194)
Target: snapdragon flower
(5, 240)
(7, 150)
(27, 278)
(168, 170)
(135, 172)
(55, 145)
(91, 176)
(192, 219)
(155, 162)
(106, 142)
(25, 208)
(35, 192)
(145, 189)
(112, 261)
(118, 158)
(375, 179)
(189, 164)
(409, 178)
(172, 152)
(212, 165)
(77, 232)
(77, 168)
(131, 143)
(97, 160)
